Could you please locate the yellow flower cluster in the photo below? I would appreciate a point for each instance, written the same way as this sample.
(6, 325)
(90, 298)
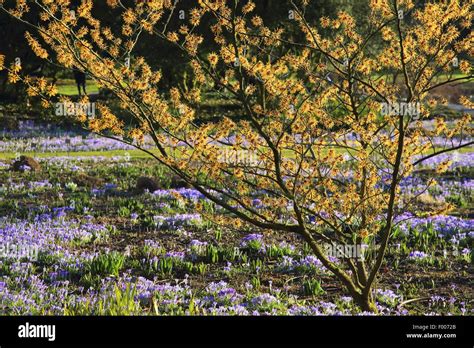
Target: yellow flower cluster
(36, 47)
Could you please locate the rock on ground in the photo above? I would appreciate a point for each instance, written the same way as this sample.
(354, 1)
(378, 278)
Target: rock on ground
(146, 183)
(88, 181)
(25, 161)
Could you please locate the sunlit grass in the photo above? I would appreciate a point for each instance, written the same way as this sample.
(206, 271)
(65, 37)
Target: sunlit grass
(69, 87)
(142, 154)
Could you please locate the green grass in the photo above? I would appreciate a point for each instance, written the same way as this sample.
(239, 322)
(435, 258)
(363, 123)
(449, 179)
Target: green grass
(132, 153)
(69, 87)
(440, 77)
(456, 75)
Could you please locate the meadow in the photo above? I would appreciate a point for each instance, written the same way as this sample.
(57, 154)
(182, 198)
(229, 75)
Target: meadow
(108, 248)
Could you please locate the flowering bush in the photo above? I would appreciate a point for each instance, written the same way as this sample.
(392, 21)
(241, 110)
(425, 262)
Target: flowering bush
(309, 101)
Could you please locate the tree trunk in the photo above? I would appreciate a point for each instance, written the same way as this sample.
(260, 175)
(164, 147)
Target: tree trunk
(365, 301)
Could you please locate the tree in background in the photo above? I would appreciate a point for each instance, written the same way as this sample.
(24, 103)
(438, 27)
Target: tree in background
(274, 13)
(333, 111)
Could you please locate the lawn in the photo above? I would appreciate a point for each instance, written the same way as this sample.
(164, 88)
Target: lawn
(69, 87)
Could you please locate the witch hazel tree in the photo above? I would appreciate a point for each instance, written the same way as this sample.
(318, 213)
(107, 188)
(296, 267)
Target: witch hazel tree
(332, 111)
